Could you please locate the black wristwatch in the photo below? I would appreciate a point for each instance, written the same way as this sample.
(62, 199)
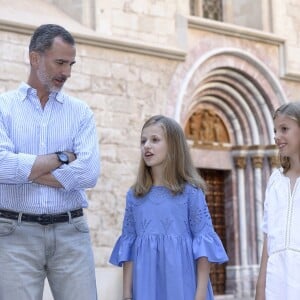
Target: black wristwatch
(62, 157)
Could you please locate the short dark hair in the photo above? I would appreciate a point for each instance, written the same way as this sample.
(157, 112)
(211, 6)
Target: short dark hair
(43, 36)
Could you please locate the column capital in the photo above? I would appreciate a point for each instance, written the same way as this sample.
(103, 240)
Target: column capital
(274, 161)
(257, 161)
(273, 156)
(240, 162)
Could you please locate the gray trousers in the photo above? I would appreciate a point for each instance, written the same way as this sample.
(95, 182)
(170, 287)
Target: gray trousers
(62, 252)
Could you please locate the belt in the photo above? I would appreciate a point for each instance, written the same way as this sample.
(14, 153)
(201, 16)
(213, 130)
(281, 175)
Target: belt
(44, 219)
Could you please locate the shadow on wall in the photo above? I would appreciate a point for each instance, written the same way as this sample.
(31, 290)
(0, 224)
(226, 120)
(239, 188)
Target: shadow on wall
(109, 282)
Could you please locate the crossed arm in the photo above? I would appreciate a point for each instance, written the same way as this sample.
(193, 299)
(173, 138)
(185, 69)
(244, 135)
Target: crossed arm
(44, 165)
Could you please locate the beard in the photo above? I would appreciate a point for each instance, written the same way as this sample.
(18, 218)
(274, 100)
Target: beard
(46, 80)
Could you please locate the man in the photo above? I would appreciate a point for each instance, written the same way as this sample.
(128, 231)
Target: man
(48, 156)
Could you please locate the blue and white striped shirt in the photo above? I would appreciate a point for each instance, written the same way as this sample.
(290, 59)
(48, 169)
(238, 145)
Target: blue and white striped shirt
(28, 130)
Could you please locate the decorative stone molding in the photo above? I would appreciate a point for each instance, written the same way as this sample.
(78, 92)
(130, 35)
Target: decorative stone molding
(93, 39)
(240, 162)
(240, 156)
(206, 128)
(257, 156)
(274, 161)
(273, 157)
(227, 29)
(257, 162)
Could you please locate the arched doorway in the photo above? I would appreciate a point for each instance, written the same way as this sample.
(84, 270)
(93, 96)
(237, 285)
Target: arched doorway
(225, 103)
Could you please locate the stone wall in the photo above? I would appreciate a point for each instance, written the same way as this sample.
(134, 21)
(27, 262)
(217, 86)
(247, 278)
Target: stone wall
(157, 22)
(287, 24)
(133, 59)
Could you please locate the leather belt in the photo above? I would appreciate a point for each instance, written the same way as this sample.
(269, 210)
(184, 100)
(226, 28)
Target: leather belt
(44, 219)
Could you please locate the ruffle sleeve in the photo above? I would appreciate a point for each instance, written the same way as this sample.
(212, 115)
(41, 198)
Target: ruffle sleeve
(206, 242)
(122, 250)
(210, 246)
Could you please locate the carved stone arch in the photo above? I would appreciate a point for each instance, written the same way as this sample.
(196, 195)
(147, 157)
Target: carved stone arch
(264, 89)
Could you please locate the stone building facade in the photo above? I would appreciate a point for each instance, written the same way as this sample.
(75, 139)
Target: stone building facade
(220, 68)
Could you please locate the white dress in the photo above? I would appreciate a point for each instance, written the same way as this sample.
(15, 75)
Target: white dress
(282, 226)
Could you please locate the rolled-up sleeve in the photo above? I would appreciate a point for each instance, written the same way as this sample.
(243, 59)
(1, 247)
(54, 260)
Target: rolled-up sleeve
(15, 167)
(85, 170)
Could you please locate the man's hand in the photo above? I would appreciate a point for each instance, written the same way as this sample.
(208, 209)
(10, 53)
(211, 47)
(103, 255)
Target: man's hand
(45, 164)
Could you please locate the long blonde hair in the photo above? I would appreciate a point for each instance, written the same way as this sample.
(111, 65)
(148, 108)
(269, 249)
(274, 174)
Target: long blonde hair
(178, 166)
(291, 110)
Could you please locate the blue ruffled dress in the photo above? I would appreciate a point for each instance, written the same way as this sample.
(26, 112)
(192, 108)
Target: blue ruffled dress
(163, 235)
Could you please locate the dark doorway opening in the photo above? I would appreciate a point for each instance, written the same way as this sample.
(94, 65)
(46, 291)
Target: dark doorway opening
(215, 198)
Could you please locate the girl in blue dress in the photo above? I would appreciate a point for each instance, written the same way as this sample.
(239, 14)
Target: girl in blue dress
(168, 240)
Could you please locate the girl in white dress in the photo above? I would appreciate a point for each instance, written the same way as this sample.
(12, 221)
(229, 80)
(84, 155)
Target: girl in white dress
(279, 276)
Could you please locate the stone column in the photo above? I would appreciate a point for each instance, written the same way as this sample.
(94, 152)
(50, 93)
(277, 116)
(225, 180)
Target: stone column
(240, 164)
(243, 284)
(257, 163)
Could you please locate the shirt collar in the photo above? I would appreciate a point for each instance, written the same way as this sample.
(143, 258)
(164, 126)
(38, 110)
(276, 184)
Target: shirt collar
(26, 90)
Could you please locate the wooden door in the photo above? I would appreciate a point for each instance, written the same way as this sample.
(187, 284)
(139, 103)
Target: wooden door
(215, 202)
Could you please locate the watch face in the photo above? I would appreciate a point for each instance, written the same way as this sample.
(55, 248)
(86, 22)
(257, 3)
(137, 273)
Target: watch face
(63, 157)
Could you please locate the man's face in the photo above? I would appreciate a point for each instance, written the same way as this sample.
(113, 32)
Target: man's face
(55, 65)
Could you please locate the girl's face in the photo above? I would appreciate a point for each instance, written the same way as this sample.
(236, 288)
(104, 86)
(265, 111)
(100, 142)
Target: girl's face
(154, 146)
(287, 136)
